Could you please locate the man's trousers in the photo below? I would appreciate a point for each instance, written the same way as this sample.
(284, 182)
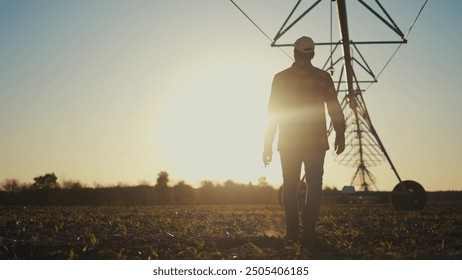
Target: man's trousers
(291, 162)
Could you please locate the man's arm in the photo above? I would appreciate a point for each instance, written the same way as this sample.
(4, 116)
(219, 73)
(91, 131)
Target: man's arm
(271, 123)
(336, 115)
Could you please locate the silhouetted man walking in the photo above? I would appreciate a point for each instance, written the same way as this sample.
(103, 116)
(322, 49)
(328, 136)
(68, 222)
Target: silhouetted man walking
(297, 107)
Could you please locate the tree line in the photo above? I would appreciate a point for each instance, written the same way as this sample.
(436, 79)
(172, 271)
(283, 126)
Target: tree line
(45, 190)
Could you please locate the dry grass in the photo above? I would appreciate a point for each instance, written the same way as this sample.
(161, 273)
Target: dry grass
(226, 232)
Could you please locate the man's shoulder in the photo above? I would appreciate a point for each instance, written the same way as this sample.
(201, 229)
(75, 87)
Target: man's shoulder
(320, 72)
(285, 72)
(294, 70)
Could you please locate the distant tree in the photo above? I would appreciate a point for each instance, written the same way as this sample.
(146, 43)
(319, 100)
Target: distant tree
(11, 185)
(162, 179)
(164, 192)
(234, 192)
(72, 184)
(208, 193)
(144, 183)
(330, 189)
(47, 181)
(183, 193)
(207, 184)
(229, 184)
(262, 182)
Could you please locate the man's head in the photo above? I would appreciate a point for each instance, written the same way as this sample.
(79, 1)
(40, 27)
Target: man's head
(304, 49)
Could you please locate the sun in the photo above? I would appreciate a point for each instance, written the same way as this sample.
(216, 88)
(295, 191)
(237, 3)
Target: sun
(213, 125)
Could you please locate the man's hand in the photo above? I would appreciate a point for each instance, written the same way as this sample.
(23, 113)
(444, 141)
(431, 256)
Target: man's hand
(339, 143)
(267, 157)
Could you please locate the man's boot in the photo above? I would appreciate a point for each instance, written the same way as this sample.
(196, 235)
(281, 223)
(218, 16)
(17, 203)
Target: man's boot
(292, 226)
(309, 224)
(289, 199)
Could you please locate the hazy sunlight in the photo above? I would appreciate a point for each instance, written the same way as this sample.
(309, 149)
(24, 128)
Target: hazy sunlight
(213, 126)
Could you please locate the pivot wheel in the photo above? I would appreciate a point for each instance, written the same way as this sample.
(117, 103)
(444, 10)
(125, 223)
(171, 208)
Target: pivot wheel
(409, 195)
(301, 193)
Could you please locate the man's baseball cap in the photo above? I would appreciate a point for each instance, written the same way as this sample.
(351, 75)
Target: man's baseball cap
(304, 44)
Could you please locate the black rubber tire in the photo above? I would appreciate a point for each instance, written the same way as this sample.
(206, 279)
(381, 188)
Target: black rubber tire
(409, 195)
(301, 195)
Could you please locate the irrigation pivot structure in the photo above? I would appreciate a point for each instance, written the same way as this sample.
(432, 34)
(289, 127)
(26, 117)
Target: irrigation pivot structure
(365, 147)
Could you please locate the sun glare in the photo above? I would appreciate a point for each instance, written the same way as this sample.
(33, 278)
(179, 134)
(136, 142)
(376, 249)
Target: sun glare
(213, 125)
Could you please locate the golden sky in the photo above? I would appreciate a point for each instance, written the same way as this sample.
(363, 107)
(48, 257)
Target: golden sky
(117, 92)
